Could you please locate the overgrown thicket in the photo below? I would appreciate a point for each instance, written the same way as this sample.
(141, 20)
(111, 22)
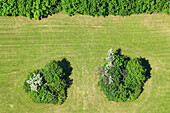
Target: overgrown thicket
(41, 8)
(122, 78)
(49, 84)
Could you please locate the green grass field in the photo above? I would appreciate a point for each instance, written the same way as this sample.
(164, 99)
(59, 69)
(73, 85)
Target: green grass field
(27, 44)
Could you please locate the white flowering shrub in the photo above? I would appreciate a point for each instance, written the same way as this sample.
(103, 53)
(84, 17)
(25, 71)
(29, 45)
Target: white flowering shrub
(35, 81)
(49, 84)
(110, 58)
(122, 78)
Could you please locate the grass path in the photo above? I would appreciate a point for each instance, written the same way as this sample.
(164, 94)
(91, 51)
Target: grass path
(26, 45)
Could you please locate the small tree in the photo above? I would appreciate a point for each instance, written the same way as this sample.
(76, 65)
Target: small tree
(122, 78)
(49, 85)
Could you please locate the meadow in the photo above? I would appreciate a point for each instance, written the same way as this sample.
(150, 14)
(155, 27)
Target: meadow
(26, 45)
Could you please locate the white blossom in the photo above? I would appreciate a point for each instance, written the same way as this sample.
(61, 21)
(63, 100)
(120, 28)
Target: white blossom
(110, 59)
(35, 81)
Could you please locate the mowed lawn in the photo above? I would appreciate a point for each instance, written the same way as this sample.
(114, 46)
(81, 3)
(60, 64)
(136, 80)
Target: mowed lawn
(26, 45)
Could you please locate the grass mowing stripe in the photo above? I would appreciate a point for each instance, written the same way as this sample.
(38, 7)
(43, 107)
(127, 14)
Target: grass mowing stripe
(26, 45)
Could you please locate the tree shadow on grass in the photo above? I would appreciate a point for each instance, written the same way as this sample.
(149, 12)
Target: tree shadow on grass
(65, 64)
(147, 66)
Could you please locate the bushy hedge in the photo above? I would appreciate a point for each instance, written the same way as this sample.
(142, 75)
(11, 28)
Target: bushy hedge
(115, 7)
(30, 8)
(122, 78)
(41, 8)
(49, 84)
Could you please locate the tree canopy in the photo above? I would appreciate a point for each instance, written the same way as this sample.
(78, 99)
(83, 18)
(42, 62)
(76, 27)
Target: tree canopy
(122, 78)
(42, 8)
(49, 84)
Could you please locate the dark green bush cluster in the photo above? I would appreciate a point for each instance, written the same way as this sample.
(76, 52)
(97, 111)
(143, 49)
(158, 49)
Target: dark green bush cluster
(115, 7)
(41, 8)
(49, 84)
(30, 8)
(122, 78)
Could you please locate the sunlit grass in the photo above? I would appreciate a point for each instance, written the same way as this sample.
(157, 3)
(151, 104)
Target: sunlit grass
(26, 45)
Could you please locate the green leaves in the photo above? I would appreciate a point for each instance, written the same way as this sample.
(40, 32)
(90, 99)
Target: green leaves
(49, 85)
(114, 7)
(41, 8)
(53, 72)
(122, 78)
(135, 72)
(30, 8)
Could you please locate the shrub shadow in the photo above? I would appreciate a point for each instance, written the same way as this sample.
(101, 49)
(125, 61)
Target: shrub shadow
(119, 52)
(65, 64)
(147, 66)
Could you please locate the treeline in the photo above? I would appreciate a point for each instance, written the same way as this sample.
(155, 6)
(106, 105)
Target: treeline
(30, 8)
(42, 8)
(115, 7)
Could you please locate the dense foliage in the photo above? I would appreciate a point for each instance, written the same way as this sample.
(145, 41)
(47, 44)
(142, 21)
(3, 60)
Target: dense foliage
(41, 8)
(115, 7)
(49, 84)
(30, 8)
(122, 78)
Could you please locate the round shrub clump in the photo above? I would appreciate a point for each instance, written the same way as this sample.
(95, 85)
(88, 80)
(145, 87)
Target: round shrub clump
(122, 78)
(49, 84)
